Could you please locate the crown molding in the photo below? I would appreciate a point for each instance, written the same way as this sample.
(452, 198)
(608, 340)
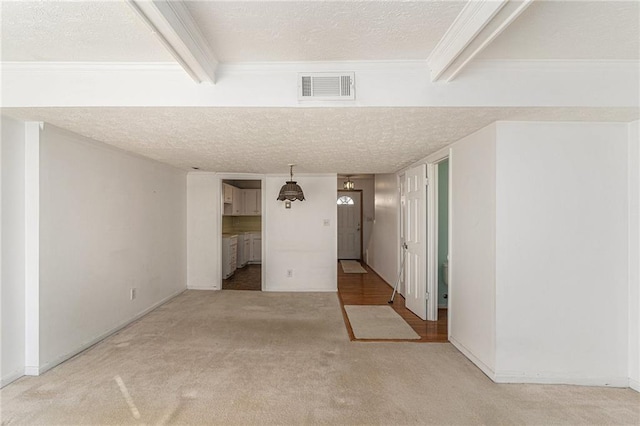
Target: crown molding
(296, 67)
(49, 66)
(557, 65)
(172, 23)
(322, 66)
(477, 25)
(223, 68)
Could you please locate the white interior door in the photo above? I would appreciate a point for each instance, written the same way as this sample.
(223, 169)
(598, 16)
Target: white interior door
(415, 233)
(349, 226)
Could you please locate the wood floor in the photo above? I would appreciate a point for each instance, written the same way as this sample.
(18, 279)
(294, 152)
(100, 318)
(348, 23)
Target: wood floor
(246, 278)
(356, 289)
(370, 289)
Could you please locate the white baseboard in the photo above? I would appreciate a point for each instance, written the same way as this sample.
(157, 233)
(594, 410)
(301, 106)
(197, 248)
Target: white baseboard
(560, 379)
(49, 365)
(634, 384)
(543, 378)
(488, 371)
(11, 377)
(202, 288)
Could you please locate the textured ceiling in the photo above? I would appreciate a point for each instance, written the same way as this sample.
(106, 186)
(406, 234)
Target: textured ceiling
(256, 31)
(77, 31)
(265, 140)
(335, 140)
(323, 31)
(571, 30)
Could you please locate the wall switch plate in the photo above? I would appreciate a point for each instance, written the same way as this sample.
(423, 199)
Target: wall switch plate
(132, 294)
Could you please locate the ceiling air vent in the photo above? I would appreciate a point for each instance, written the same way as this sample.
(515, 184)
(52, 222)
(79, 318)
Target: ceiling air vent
(326, 86)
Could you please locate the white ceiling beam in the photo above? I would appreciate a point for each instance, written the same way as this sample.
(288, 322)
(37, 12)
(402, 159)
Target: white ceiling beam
(490, 83)
(176, 29)
(477, 25)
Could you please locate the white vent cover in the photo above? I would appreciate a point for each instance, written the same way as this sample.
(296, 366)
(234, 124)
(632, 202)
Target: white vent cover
(326, 86)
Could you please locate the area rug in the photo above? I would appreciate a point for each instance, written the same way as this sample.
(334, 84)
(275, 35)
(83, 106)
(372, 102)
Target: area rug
(352, 267)
(378, 322)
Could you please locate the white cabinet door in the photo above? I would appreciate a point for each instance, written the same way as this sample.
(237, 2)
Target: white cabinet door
(241, 258)
(252, 201)
(237, 203)
(258, 202)
(246, 248)
(227, 193)
(229, 256)
(256, 248)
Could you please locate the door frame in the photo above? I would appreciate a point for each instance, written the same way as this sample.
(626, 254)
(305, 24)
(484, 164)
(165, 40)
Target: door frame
(431, 219)
(361, 217)
(432, 234)
(400, 178)
(263, 183)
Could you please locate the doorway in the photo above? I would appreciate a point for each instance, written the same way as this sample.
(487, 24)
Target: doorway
(438, 220)
(442, 232)
(241, 254)
(349, 205)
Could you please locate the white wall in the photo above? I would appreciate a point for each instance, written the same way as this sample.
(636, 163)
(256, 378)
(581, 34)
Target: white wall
(472, 247)
(384, 244)
(368, 208)
(12, 296)
(562, 286)
(109, 221)
(203, 211)
(298, 239)
(292, 239)
(634, 255)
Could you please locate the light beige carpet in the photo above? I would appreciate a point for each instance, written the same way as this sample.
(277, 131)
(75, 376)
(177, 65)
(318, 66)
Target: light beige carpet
(352, 267)
(378, 322)
(253, 358)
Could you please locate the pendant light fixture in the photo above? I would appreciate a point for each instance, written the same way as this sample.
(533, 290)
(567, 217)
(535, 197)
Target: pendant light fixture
(348, 185)
(291, 191)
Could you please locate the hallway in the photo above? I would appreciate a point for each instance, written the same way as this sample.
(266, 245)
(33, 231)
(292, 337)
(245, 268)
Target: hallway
(370, 289)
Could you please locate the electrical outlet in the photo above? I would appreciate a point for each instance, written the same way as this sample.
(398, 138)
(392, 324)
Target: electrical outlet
(132, 294)
(326, 222)
(289, 273)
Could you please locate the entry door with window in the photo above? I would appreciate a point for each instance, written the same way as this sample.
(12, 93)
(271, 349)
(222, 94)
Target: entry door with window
(349, 205)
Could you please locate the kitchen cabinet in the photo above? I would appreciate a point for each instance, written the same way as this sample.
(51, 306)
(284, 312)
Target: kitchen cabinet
(229, 255)
(252, 202)
(256, 248)
(246, 248)
(237, 204)
(244, 243)
(227, 193)
(241, 202)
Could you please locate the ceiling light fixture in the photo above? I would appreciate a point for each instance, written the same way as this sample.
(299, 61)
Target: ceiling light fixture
(349, 185)
(291, 191)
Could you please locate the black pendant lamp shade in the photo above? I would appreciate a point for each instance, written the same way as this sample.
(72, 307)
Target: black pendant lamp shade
(291, 190)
